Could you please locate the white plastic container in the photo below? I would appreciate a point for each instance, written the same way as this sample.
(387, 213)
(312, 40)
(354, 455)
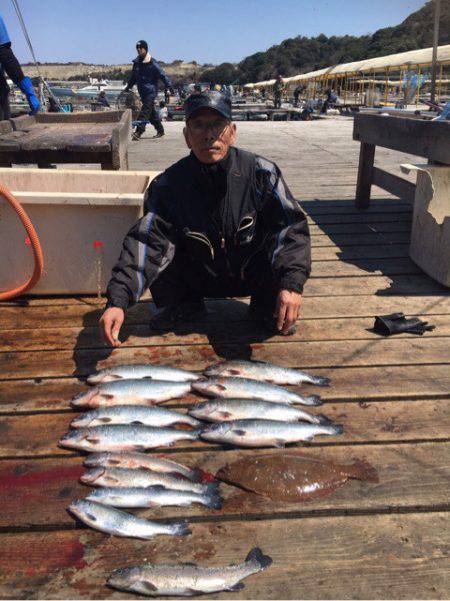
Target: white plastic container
(81, 218)
(430, 233)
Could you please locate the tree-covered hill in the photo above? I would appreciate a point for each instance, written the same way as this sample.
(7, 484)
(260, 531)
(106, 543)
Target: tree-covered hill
(302, 54)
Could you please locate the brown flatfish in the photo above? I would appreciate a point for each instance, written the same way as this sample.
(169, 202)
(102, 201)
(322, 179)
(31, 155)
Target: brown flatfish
(293, 477)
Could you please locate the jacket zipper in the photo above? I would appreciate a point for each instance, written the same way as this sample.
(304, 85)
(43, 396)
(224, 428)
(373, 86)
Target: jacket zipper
(245, 223)
(201, 238)
(223, 246)
(248, 259)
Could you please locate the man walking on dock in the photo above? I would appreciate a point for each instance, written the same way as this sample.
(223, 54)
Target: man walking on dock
(146, 74)
(220, 222)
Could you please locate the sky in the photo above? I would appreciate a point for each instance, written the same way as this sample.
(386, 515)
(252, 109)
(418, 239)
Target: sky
(105, 31)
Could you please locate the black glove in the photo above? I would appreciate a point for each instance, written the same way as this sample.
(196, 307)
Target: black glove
(397, 323)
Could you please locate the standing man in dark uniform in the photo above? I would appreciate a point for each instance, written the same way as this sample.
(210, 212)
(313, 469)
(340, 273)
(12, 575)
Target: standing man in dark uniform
(146, 74)
(10, 65)
(278, 90)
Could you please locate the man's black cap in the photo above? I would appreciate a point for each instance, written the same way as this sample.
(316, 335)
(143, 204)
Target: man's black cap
(142, 44)
(209, 99)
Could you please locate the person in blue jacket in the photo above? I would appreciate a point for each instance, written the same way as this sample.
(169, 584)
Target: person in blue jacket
(10, 65)
(146, 73)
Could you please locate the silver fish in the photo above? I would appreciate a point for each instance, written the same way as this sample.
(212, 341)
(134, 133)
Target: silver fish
(242, 388)
(185, 580)
(132, 414)
(152, 496)
(260, 370)
(141, 460)
(119, 523)
(131, 392)
(124, 438)
(128, 478)
(131, 372)
(266, 433)
(225, 410)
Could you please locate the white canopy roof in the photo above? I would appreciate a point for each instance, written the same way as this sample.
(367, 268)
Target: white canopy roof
(392, 62)
(395, 61)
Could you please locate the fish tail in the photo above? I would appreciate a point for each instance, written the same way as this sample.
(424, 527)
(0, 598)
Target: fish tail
(181, 529)
(336, 429)
(196, 475)
(314, 400)
(362, 470)
(199, 475)
(196, 433)
(323, 420)
(212, 488)
(213, 501)
(320, 381)
(92, 460)
(257, 555)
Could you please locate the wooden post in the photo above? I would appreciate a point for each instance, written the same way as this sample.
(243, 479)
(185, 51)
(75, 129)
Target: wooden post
(437, 12)
(364, 182)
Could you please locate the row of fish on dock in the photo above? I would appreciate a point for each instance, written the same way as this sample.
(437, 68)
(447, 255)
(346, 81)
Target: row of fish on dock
(248, 408)
(249, 412)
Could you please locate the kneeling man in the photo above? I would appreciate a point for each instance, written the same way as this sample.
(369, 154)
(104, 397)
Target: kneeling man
(220, 222)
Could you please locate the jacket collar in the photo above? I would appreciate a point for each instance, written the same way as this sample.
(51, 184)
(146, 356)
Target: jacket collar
(147, 59)
(223, 166)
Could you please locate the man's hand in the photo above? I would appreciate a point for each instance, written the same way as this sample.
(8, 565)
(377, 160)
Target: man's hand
(288, 309)
(110, 323)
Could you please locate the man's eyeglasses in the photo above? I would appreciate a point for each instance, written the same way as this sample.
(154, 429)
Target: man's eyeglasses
(216, 127)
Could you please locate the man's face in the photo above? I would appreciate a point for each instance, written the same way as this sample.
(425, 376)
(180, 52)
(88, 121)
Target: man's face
(141, 51)
(209, 135)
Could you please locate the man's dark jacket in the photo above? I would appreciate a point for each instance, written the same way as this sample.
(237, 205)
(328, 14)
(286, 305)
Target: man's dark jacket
(146, 73)
(219, 223)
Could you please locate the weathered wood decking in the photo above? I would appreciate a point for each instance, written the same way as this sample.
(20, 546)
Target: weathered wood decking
(386, 540)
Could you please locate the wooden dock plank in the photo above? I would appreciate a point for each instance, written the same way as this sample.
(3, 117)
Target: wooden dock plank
(224, 311)
(243, 332)
(362, 557)
(35, 493)
(361, 267)
(380, 251)
(38, 434)
(378, 226)
(357, 384)
(323, 354)
(355, 240)
(358, 217)
(417, 285)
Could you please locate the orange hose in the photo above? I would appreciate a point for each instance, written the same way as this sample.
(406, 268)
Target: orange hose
(35, 246)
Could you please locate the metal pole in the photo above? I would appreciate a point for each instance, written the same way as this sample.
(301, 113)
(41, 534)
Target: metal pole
(386, 91)
(437, 12)
(418, 85)
(440, 83)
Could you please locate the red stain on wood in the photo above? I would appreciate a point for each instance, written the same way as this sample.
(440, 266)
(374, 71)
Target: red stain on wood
(45, 557)
(15, 479)
(74, 558)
